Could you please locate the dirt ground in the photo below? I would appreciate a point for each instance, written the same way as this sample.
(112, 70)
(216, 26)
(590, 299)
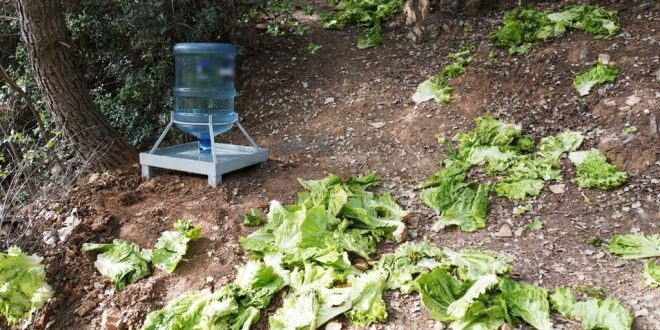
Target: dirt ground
(348, 111)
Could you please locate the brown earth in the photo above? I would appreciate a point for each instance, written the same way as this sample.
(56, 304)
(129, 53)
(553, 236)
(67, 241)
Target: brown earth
(286, 106)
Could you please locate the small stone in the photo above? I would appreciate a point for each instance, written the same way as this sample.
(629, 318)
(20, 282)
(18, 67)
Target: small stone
(605, 58)
(329, 100)
(632, 100)
(98, 285)
(557, 188)
(111, 320)
(378, 124)
(505, 231)
(642, 312)
(334, 325)
(93, 177)
(519, 231)
(209, 279)
(85, 308)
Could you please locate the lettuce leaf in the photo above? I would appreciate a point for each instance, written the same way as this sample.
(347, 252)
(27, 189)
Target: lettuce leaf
(593, 170)
(599, 74)
(408, 261)
(173, 245)
(24, 288)
(468, 211)
(121, 261)
(652, 274)
(519, 189)
(368, 305)
(635, 246)
(256, 283)
(459, 308)
(528, 302)
(439, 289)
(474, 264)
(433, 88)
(593, 313)
(480, 316)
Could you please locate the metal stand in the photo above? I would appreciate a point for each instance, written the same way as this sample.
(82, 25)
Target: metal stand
(224, 158)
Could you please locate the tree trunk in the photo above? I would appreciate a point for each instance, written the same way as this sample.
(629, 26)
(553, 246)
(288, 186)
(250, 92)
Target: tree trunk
(81, 122)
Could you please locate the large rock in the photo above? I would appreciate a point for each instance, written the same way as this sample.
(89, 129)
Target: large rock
(632, 154)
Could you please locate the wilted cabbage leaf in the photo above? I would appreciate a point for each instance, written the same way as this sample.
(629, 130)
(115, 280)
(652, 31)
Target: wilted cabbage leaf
(635, 246)
(592, 313)
(599, 74)
(173, 245)
(433, 88)
(593, 170)
(121, 261)
(527, 302)
(652, 274)
(24, 288)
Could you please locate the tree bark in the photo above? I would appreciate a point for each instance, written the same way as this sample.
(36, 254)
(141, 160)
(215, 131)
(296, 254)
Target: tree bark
(80, 120)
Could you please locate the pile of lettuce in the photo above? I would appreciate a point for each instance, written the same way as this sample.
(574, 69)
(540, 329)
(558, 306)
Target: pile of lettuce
(24, 288)
(233, 306)
(124, 262)
(369, 14)
(471, 290)
(639, 246)
(599, 74)
(306, 247)
(524, 26)
(520, 166)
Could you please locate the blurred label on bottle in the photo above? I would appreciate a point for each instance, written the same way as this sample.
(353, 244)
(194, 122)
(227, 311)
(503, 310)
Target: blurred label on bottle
(203, 69)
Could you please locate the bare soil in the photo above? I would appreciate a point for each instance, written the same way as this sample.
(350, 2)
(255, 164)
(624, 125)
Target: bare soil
(323, 113)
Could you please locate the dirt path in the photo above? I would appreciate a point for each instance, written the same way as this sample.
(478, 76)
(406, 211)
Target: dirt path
(345, 111)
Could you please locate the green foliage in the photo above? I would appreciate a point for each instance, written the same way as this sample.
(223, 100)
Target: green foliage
(126, 50)
(372, 38)
(313, 48)
(535, 225)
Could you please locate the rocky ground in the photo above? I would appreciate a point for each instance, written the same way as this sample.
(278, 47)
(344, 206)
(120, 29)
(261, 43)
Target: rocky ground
(348, 111)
